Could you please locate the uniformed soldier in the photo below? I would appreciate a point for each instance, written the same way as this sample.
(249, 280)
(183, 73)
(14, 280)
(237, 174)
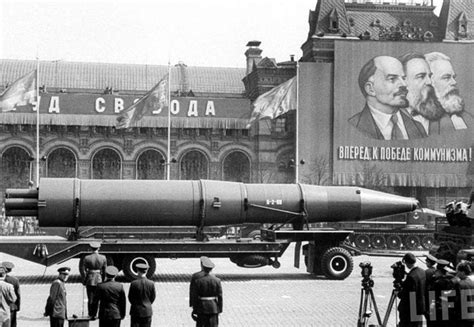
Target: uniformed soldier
(15, 306)
(57, 296)
(112, 300)
(205, 295)
(141, 296)
(94, 266)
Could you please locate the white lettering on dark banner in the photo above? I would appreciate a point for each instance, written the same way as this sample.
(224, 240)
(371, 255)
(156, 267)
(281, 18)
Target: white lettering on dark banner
(195, 109)
(375, 153)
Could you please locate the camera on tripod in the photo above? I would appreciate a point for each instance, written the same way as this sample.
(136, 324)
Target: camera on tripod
(366, 269)
(398, 274)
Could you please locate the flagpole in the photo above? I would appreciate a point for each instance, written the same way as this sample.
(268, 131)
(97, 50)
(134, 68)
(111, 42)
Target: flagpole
(297, 147)
(37, 121)
(168, 154)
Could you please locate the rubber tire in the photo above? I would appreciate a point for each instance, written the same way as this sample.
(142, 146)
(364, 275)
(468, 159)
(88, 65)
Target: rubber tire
(378, 245)
(394, 242)
(337, 263)
(362, 241)
(130, 261)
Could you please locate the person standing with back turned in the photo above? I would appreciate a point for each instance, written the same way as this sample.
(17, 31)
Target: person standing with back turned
(141, 295)
(205, 296)
(94, 266)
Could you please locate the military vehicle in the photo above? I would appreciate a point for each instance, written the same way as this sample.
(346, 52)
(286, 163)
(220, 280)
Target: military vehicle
(144, 204)
(454, 235)
(411, 231)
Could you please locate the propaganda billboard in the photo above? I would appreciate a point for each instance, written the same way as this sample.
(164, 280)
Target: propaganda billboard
(405, 109)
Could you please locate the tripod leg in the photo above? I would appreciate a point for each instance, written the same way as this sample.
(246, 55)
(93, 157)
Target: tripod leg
(389, 308)
(379, 321)
(362, 322)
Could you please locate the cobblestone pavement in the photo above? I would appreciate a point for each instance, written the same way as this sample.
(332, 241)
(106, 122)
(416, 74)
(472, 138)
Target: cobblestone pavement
(252, 297)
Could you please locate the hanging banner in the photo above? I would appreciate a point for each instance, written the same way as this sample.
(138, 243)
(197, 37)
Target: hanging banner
(405, 109)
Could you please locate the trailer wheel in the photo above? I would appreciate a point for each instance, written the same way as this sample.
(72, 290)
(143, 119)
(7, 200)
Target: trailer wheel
(130, 265)
(362, 242)
(427, 242)
(394, 242)
(412, 242)
(337, 263)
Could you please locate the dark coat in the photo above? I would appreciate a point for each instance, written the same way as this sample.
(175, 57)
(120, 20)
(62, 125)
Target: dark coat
(16, 286)
(94, 264)
(203, 287)
(415, 281)
(57, 292)
(365, 123)
(141, 295)
(112, 300)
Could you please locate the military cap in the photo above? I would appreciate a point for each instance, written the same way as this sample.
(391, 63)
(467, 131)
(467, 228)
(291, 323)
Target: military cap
(207, 263)
(111, 271)
(431, 258)
(442, 264)
(8, 265)
(142, 266)
(409, 258)
(64, 270)
(94, 245)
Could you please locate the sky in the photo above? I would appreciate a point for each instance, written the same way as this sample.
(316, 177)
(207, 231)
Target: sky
(211, 33)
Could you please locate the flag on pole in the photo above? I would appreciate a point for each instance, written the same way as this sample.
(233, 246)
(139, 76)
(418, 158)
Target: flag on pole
(154, 100)
(22, 92)
(275, 102)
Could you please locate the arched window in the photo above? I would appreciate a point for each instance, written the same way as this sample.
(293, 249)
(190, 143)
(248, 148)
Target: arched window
(194, 166)
(106, 165)
(16, 168)
(149, 165)
(236, 167)
(286, 168)
(61, 163)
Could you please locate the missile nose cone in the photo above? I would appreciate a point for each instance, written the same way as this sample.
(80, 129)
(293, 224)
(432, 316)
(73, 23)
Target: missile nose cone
(378, 204)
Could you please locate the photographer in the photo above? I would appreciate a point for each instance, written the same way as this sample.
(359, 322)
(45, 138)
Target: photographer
(412, 307)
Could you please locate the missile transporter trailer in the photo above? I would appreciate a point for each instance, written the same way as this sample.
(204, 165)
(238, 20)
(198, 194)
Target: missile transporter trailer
(126, 213)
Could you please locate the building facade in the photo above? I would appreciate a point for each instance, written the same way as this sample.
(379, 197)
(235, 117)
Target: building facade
(210, 108)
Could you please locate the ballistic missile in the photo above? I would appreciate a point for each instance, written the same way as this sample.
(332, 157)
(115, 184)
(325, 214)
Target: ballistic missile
(70, 202)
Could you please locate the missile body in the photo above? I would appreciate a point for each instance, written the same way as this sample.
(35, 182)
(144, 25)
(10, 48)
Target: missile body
(65, 202)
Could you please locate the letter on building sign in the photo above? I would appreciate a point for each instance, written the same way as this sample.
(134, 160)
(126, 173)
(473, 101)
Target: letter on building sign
(174, 107)
(118, 105)
(36, 104)
(193, 108)
(54, 105)
(210, 110)
(100, 104)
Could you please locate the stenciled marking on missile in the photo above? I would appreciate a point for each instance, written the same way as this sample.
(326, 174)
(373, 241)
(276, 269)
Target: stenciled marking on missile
(272, 202)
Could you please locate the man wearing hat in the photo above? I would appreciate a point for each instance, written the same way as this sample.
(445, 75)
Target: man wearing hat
(7, 297)
(57, 298)
(205, 295)
(415, 282)
(94, 266)
(141, 296)
(442, 283)
(14, 307)
(112, 300)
